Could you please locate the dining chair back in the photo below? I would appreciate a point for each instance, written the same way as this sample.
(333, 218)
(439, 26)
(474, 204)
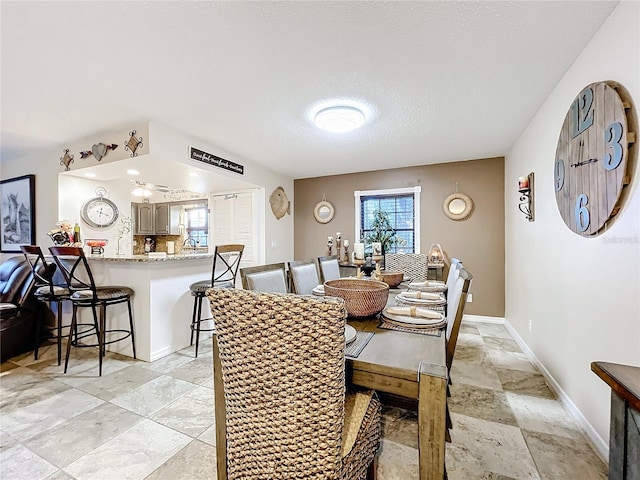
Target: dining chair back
(304, 276)
(47, 292)
(413, 265)
(456, 302)
(454, 271)
(85, 293)
(329, 268)
(265, 278)
(226, 262)
(279, 384)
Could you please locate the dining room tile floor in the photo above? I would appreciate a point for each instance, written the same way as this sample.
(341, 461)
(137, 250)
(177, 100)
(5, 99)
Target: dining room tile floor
(155, 420)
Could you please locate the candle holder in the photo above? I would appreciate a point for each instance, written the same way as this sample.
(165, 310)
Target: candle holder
(339, 248)
(346, 251)
(526, 205)
(377, 275)
(358, 262)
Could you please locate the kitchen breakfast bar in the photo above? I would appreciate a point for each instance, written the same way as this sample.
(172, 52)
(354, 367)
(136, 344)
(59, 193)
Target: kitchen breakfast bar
(162, 303)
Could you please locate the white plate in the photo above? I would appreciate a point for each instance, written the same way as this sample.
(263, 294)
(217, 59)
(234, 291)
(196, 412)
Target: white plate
(349, 334)
(423, 301)
(319, 290)
(413, 320)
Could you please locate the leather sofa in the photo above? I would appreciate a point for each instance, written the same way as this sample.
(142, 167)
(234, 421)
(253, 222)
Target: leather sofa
(19, 309)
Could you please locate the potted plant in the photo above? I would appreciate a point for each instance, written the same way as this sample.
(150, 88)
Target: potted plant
(383, 232)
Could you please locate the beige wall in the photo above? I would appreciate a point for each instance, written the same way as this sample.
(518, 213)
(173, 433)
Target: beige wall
(575, 300)
(478, 241)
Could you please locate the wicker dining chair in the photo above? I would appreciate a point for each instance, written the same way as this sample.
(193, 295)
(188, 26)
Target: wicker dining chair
(282, 410)
(413, 265)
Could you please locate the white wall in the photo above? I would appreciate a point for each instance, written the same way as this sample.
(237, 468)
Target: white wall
(278, 241)
(582, 295)
(167, 145)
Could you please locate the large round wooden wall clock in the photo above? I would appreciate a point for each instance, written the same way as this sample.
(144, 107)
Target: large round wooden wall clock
(592, 157)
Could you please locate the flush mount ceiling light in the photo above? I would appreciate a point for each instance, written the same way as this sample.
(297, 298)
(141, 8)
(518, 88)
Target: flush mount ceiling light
(339, 119)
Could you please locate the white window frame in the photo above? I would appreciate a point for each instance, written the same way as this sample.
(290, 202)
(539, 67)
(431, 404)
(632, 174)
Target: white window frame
(391, 191)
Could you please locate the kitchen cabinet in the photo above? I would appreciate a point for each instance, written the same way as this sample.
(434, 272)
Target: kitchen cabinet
(144, 219)
(162, 218)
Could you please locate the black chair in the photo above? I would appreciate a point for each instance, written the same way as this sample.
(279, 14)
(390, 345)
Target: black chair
(47, 292)
(84, 293)
(226, 261)
(18, 307)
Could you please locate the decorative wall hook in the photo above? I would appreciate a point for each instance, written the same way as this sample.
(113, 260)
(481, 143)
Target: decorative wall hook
(98, 150)
(133, 143)
(526, 205)
(66, 160)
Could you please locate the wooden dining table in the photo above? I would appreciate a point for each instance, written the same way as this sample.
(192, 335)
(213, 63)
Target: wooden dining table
(410, 366)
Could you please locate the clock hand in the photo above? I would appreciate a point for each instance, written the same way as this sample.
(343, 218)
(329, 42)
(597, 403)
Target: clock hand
(584, 162)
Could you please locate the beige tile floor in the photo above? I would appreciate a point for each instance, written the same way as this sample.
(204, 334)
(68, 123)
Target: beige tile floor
(155, 421)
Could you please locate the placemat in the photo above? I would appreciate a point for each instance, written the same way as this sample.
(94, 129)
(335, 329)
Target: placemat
(355, 348)
(433, 332)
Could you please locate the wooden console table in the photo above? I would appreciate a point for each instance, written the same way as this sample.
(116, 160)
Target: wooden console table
(624, 441)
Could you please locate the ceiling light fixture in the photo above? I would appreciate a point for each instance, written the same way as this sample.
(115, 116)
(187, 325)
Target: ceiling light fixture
(131, 171)
(90, 175)
(339, 119)
(141, 192)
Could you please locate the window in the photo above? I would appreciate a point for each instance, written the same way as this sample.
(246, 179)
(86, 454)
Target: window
(197, 226)
(403, 208)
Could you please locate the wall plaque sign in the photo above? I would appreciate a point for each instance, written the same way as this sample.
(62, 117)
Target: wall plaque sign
(216, 161)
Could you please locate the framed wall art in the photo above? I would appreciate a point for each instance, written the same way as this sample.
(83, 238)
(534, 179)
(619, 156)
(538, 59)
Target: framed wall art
(18, 212)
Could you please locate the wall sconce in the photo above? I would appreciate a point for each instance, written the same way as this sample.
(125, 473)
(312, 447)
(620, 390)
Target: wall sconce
(435, 255)
(526, 205)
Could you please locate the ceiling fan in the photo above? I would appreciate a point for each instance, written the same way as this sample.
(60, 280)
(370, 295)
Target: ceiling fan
(144, 189)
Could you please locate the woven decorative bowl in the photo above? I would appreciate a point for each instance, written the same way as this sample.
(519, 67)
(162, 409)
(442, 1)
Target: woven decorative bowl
(362, 298)
(393, 279)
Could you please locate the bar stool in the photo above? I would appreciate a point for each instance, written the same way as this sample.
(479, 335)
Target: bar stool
(47, 292)
(226, 261)
(84, 293)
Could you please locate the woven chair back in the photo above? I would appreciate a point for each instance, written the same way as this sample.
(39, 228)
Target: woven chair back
(413, 265)
(282, 362)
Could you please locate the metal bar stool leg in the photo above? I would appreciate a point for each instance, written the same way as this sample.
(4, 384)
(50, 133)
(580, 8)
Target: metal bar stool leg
(59, 314)
(72, 328)
(101, 337)
(198, 321)
(193, 316)
(133, 338)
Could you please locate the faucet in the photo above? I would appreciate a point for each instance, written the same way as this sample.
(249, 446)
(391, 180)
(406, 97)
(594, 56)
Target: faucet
(192, 242)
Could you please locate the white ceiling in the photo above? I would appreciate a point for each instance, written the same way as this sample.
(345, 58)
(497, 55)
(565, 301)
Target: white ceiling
(441, 81)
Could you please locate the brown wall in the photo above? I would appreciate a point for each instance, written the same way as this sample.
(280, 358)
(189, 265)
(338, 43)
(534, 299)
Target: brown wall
(478, 240)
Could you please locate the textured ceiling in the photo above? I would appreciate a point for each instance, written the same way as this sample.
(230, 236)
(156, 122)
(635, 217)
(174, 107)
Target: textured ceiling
(440, 81)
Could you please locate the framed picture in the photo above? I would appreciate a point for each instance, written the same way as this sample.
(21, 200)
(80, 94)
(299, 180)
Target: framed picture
(18, 212)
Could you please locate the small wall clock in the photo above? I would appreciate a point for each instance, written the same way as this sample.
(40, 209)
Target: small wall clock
(99, 212)
(594, 148)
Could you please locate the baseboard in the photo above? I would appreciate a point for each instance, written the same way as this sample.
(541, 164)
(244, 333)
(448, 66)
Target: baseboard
(601, 447)
(482, 319)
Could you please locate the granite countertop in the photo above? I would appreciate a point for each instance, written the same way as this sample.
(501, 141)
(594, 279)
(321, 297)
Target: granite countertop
(146, 258)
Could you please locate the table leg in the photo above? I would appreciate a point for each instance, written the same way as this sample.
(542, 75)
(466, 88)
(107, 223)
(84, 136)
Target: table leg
(432, 400)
